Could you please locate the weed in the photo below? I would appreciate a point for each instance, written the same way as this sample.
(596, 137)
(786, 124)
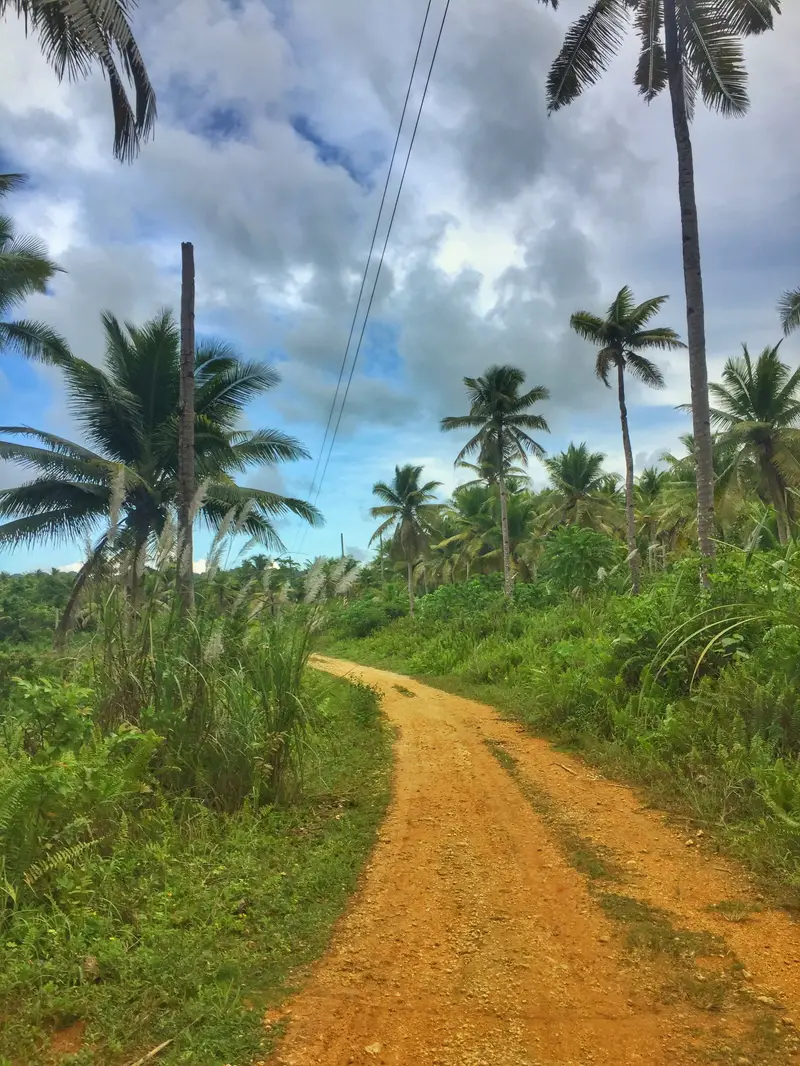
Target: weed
(734, 910)
(404, 691)
(650, 930)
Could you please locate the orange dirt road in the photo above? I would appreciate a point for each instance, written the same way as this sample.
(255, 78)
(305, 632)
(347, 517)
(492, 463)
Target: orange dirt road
(474, 940)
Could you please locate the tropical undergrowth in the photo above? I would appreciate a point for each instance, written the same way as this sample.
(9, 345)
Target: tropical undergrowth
(184, 807)
(693, 692)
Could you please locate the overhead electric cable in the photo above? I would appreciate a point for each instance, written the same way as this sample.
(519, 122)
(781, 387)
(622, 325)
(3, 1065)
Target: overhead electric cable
(383, 252)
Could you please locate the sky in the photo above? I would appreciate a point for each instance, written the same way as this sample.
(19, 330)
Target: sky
(276, 124)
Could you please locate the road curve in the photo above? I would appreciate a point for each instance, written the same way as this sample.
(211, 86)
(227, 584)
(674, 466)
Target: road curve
(473, 940)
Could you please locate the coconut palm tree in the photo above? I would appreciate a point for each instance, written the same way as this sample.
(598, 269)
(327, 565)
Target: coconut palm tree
(651, 485)
(689, 46)
(76, 35)
(500, 414)
(488, 468)
(789, 310)
(122, 482)
(733, 480)
(621, 338)
(24, 270)
(408, 512)
(758, 414)
(580, 489)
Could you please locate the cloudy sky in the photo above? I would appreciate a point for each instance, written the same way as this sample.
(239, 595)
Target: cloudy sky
(276, 122)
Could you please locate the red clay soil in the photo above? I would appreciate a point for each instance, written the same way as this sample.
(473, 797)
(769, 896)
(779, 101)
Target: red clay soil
(474, 941)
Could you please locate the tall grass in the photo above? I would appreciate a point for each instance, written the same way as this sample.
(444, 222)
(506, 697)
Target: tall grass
(213, 707)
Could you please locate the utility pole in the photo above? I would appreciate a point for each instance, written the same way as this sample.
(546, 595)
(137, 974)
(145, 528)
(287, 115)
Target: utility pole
(342, 536)
(186, 473)
(383, 576)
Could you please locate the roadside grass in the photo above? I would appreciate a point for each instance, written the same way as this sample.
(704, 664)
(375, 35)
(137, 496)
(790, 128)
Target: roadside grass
(197, 921)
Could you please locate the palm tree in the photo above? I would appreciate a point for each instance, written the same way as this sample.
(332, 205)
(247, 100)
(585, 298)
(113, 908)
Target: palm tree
(77, 34)
(500, 415)
(407, 511)
(621, 337)
(789, 310)
(580, 489)
(24, 270)
(759, 410)
(651, 486)
(124, 478)
(488, 468)
(732, 480)
(689, 46)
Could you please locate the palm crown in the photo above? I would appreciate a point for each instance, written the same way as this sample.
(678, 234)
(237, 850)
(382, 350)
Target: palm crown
(125, 476)
(77, 34)
(24, 270)
(621, 337)
(498, 411)
(407, 509)
(580, 485)
(710, 36)
(758, 410)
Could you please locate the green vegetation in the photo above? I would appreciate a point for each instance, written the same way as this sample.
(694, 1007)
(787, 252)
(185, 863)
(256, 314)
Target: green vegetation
(127, 480)
(74, 38)
(183, 812)
(24, 269)
(621, 338)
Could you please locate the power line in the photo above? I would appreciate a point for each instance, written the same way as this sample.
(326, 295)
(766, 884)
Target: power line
(383, 251)
(371, 246)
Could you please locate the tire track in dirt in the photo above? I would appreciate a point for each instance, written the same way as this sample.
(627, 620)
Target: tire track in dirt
(474, 942)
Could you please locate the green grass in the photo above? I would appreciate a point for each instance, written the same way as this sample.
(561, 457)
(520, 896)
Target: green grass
(196, 921)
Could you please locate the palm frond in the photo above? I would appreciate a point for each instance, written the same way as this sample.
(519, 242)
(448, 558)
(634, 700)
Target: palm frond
(264, 447)
(74, 35)
(651, 70)
(10, 182)
(589, 46)
(644, 370)
(224, 395)
(749, 17)
(33, 340)
(789, 310)
(590, 327)
(641, 314)
(714, 54)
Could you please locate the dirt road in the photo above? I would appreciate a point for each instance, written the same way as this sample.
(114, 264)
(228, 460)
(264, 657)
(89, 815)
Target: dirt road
(519, 910)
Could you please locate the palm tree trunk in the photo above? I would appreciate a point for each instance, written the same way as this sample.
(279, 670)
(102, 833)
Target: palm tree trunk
(410, 588)
(186, 432)
(693, 281)
(504, 532)
(778, 495)
(85, 572)
(630, 515)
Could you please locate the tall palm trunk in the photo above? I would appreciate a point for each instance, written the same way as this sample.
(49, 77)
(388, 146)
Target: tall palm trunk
(410, 588)
(630, 516)
(501, 481)
(693, 281)
(186, 432)
(504, 532)
(777, 492)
